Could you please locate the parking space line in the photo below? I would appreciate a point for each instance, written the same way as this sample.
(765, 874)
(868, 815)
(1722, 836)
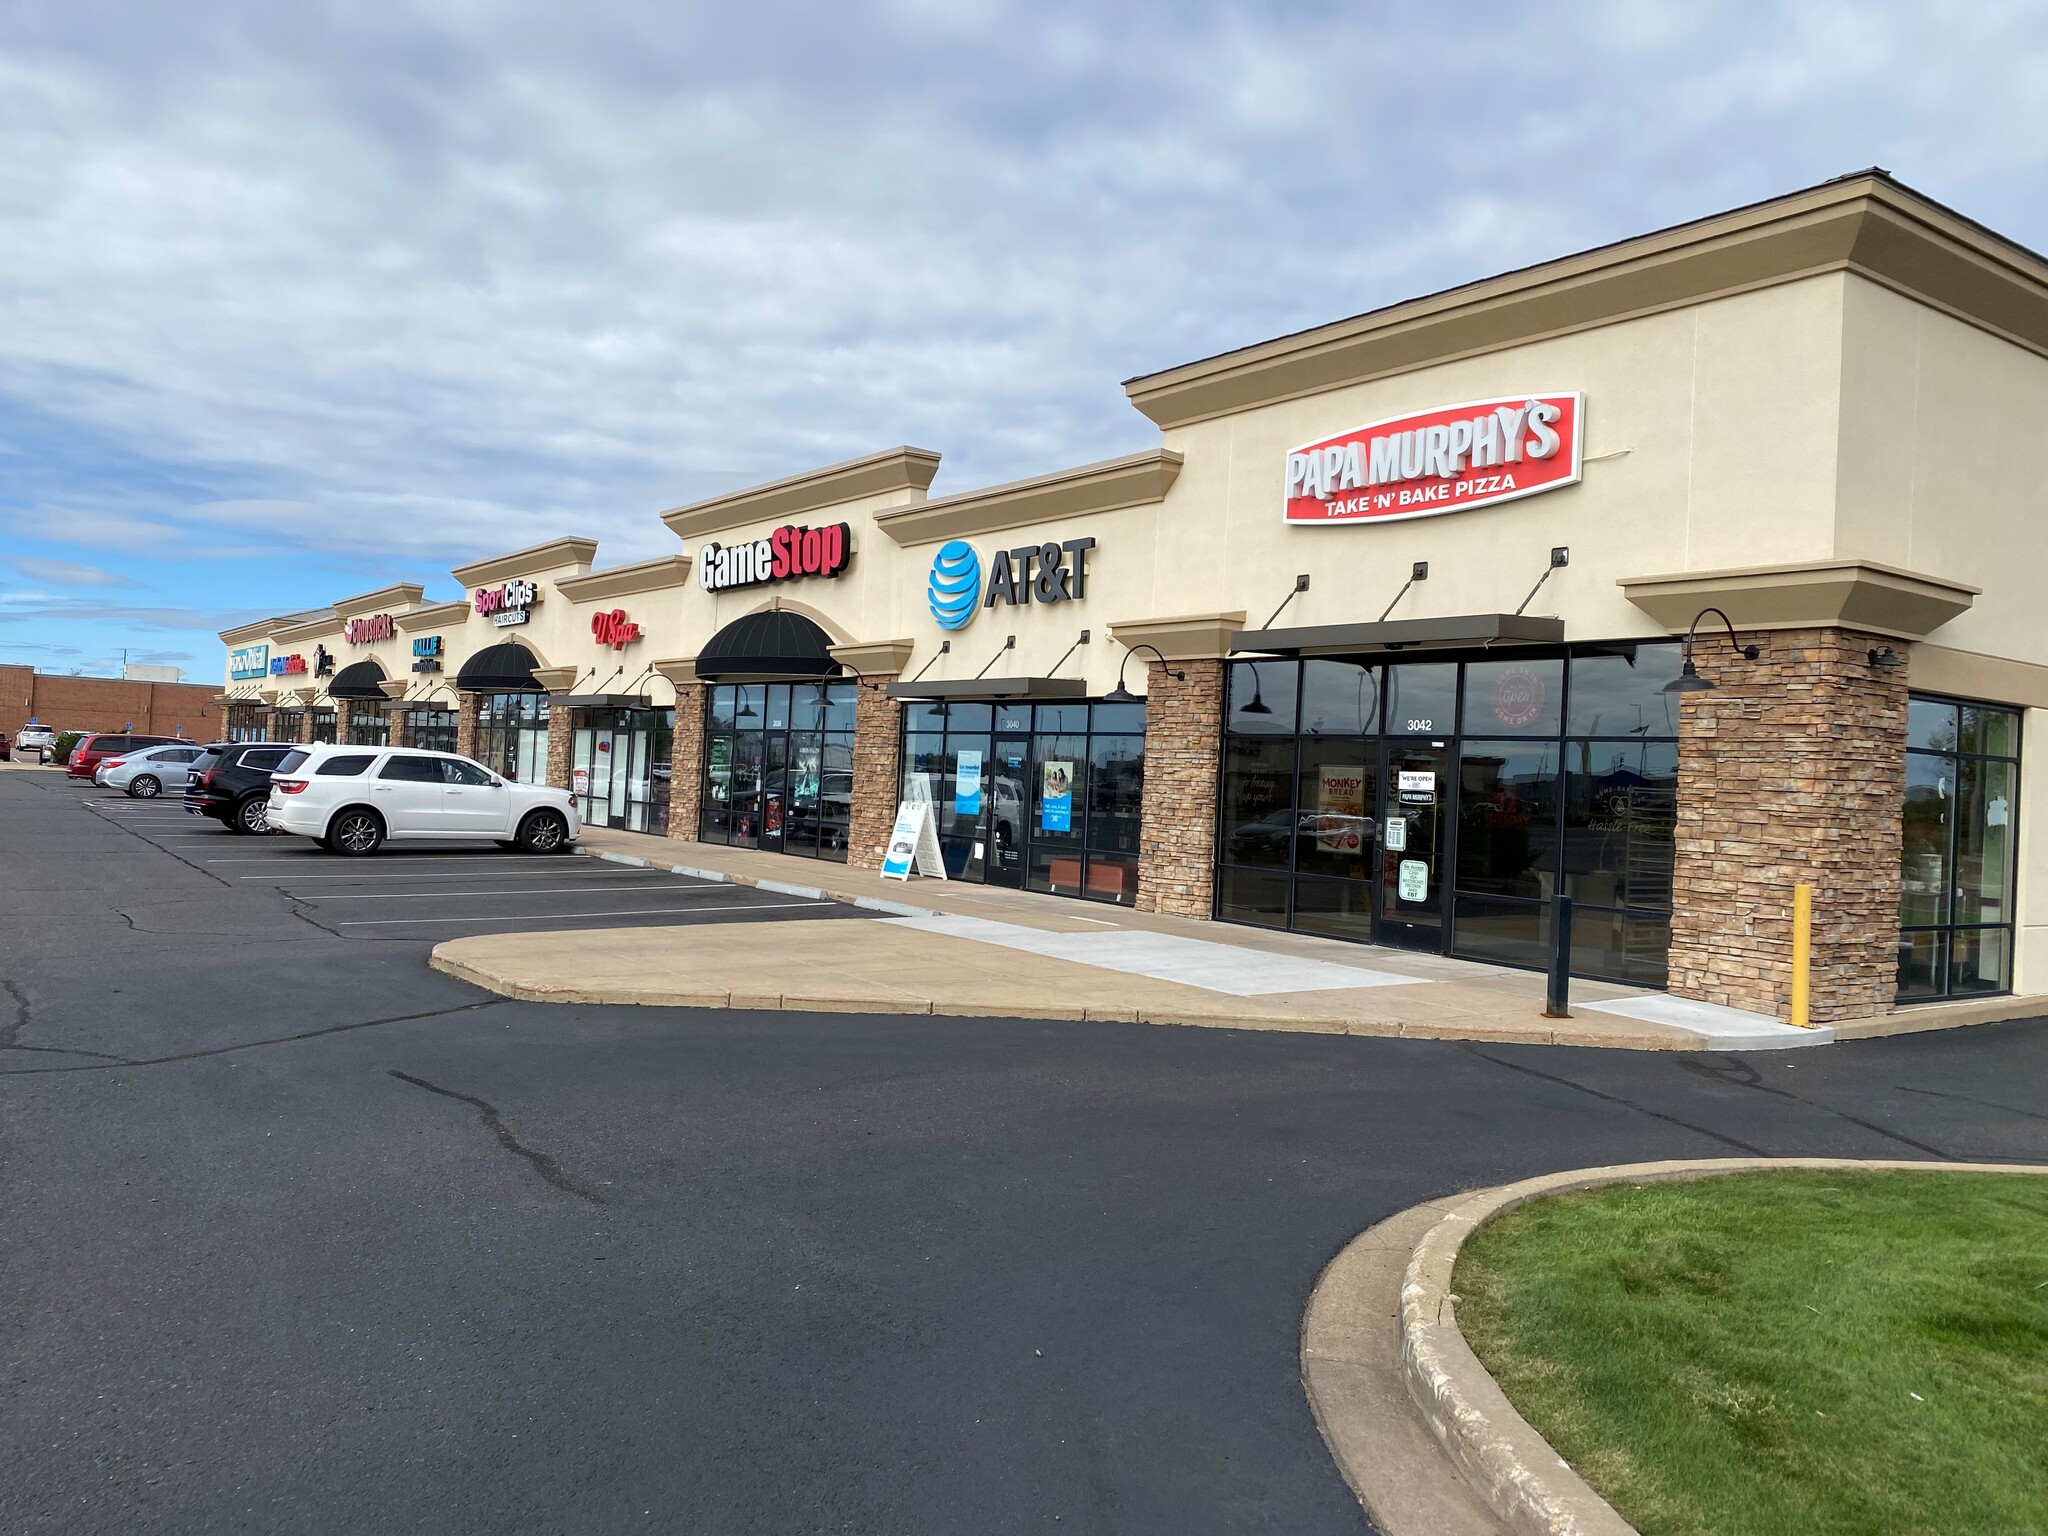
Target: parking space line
(456, 874)
(315, 858)
(546, 890)
(546, 917)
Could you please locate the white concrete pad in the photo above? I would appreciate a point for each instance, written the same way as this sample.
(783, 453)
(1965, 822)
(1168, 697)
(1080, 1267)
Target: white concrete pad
(1228, 968)
(1725, 1029)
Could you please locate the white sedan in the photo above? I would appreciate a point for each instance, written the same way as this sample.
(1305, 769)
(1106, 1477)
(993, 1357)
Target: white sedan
(149, 771)
(353, 799)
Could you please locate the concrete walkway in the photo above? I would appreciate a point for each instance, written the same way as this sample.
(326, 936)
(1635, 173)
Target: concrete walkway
(971, 950)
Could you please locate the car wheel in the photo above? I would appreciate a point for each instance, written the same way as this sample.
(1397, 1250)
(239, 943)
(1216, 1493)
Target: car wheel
(145, 786)
(355, 832)
(542, 832)
(253, 815)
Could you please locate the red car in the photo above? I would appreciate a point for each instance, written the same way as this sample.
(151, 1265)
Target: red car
(85, 757)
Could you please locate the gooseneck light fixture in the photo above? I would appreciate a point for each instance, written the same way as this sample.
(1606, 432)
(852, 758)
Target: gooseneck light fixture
(1689, 679)
(1122, 695)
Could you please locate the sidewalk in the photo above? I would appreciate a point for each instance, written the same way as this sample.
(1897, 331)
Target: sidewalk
(974, 950)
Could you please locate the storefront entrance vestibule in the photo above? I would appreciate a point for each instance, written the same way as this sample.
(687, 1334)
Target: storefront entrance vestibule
(1441, 804)
(619, 767)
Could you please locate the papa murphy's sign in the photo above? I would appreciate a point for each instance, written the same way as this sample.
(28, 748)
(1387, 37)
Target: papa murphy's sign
(1444, 460)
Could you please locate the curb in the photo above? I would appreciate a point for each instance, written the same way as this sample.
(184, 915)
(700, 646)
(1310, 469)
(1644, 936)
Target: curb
(780, 887)
(1518, 1479)
(611, 994)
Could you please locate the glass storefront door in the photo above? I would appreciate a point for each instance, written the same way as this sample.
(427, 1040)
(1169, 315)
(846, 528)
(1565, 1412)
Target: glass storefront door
(1413, 783)
(1009, 796)
(619, 768)
(778, 767)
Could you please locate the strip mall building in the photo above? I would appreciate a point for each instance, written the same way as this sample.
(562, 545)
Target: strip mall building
(1382, 640)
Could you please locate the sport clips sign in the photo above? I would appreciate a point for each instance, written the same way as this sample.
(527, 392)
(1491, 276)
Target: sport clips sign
(1448, 459)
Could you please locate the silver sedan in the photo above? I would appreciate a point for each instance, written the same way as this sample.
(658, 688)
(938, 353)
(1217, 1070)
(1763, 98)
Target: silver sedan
(149, 771)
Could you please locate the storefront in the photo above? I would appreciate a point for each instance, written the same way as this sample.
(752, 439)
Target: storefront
(1043, 797)
(1442, 804)
(620, 766)
(1663, 578)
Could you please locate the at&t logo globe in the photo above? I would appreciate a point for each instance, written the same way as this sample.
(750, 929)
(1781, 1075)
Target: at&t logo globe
(955, 589)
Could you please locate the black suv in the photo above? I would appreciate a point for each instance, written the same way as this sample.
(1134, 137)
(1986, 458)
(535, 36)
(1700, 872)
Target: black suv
(231, 783)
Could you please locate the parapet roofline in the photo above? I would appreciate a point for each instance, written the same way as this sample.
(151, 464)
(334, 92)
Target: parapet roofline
(905, 470)
(1867, 223)
(401, 594)
(534, 560)
(258, 629)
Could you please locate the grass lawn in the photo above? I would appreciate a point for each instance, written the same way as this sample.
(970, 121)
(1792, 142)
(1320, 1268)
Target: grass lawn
(1791, 1352)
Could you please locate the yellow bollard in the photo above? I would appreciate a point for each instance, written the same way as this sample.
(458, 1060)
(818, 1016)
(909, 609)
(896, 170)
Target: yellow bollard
(1802, 951)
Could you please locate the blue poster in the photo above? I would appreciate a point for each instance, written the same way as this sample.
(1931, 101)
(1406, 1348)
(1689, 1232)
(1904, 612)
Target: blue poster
(967, 785)
(1056, 805)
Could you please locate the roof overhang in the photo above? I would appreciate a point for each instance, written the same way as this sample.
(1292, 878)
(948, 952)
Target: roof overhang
(401, 594)
(902, 471)
(1135, 480)
(963, 690)
(1454, 630)
(534, 560)
(432, 616)
(626, 580)
(1818, 594)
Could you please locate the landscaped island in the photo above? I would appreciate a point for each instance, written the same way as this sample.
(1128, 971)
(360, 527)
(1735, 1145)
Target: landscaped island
(1801, 1352)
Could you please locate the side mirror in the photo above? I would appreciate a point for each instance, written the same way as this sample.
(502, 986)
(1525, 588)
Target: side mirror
(496, 782)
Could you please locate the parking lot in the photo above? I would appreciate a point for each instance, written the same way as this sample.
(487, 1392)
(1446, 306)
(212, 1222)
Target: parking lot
(431, 892)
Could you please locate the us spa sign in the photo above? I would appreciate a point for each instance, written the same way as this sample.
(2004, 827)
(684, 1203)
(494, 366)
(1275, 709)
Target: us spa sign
(1448, 459)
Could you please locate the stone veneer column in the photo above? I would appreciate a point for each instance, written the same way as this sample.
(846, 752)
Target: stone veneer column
(561, 736)
(467, 711)
(877, 771)
(1793, 769)
(1177, 823)
(686, 763)
(400, 733)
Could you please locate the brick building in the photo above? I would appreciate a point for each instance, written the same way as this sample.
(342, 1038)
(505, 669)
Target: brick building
(1664, 577)
(107, 704)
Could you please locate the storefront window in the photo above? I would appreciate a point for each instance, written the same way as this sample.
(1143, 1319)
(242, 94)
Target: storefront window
(369, 728)
(1956, 853)
(1439, 803)
(431, 730)
(324, 726)
(1044, 796)
(287, 724)
(512, 736)
(778, 767)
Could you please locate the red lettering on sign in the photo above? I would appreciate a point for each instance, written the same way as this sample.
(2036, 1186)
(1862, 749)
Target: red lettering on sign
(614, 628)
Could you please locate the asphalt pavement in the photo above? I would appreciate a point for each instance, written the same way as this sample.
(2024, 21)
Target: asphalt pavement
(298, 1235)
(435, 891)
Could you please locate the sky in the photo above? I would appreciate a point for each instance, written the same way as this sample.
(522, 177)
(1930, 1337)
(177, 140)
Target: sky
(303, 299)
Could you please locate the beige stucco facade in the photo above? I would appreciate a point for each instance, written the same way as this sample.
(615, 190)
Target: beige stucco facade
(1814, 413)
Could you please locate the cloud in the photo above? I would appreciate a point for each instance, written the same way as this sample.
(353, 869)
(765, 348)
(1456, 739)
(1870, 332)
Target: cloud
(410, 285)
(64, 573)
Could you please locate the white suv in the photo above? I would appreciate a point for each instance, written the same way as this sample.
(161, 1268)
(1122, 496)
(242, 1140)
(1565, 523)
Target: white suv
(350, 799)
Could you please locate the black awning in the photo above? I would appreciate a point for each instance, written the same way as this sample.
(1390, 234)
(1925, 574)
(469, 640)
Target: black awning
(1401, 635)
(767, 647)
(506, 668)
(963, 690)
(357, 680)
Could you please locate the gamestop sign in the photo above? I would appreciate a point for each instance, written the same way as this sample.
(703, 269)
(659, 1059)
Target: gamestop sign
(1435, 461)
(790, 552)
